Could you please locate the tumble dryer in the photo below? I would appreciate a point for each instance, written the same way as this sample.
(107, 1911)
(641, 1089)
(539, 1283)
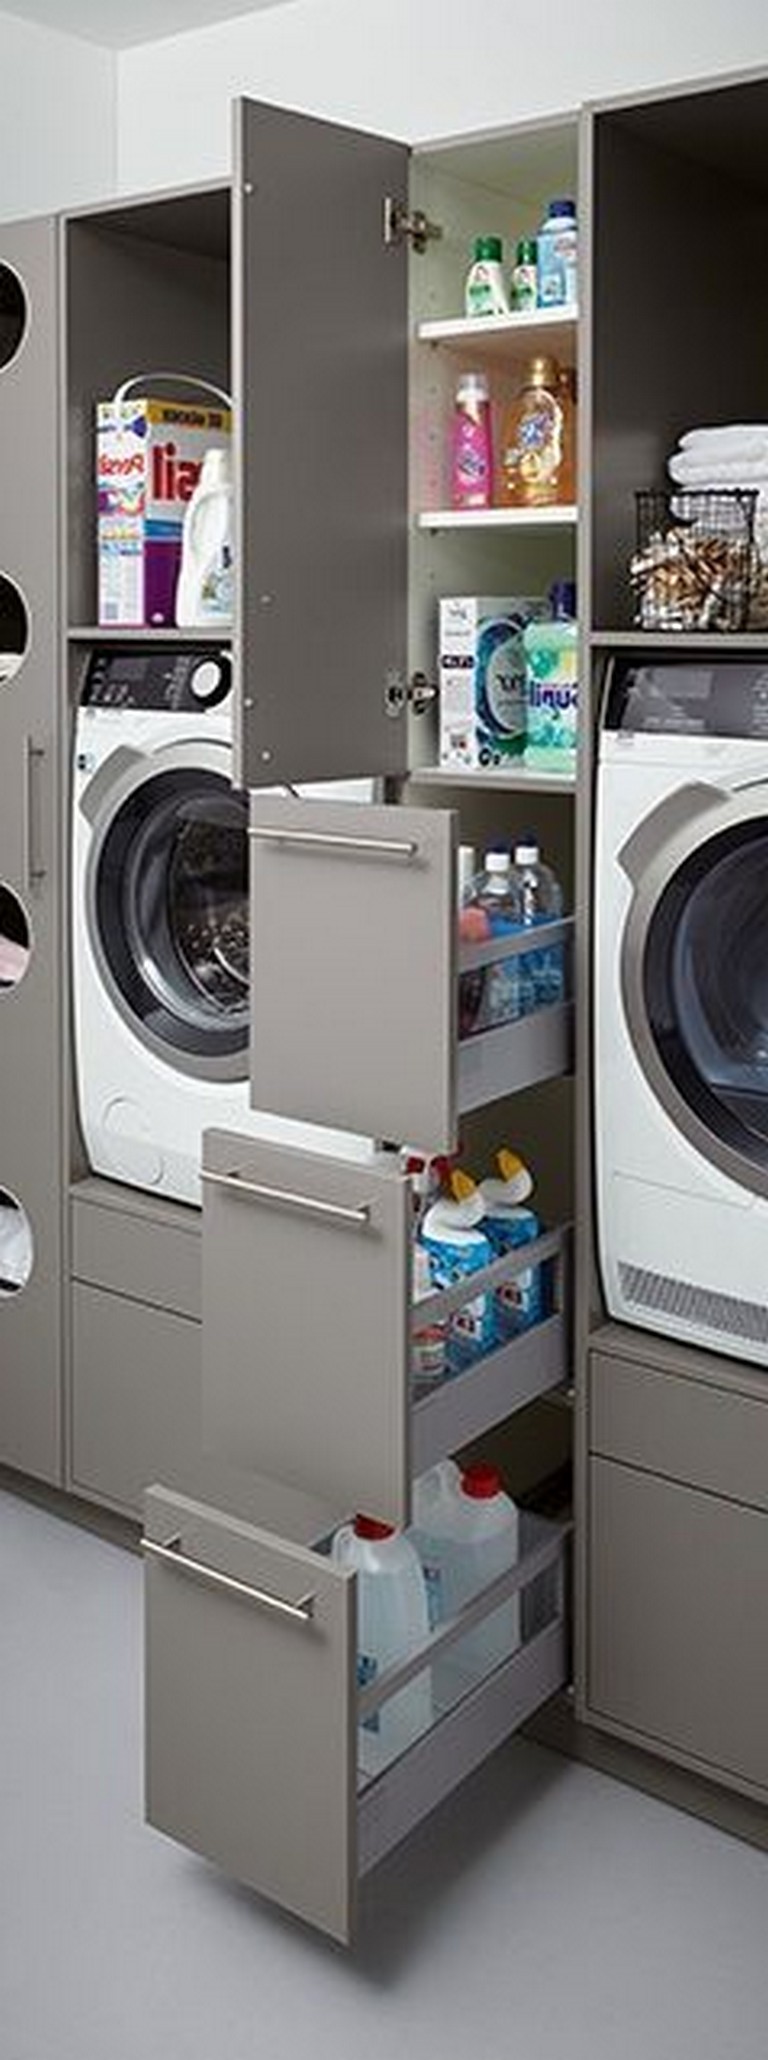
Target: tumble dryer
(160, 945)
(681, 997)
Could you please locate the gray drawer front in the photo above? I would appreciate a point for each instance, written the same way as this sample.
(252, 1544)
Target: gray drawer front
(306, 1302)
(135, 1396)
(354, 967)
(703, 1435)
(250, 1711)
(679, 1599)
(149, 1260)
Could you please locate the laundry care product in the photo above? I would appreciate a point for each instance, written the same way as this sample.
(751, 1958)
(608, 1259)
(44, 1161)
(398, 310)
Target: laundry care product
(466, 1532)
(557, 256)
(204, 592)
(149, 462)
(509, 1223)
(552, 694)
(482, 677)
(531, 451)
(429, 1343)
(471, 444)
(392, 1624)
(485, 291)
(456, 1245)
(525, 277)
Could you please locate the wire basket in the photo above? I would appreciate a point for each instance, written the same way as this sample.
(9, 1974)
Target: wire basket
(694, 562)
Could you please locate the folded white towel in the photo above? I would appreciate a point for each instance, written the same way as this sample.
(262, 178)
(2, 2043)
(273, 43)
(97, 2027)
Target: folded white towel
(715, 472)
(725, 429)
(747, 443)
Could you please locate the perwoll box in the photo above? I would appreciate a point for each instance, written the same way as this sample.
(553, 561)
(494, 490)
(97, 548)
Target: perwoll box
(149, 458)
(482, 677)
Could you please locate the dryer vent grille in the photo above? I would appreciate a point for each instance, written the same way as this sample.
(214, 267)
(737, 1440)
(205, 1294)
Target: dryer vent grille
(726, 1314)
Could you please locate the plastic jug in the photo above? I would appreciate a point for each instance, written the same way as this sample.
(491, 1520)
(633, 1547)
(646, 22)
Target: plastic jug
(204, 593)
(466, 1531)
(392, 1623)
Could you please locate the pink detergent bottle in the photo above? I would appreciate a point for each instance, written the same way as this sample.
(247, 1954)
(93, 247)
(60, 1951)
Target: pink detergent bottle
(471, 453)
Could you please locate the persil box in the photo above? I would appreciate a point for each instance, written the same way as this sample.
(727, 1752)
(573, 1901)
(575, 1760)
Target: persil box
(482, 677)
(149, 456)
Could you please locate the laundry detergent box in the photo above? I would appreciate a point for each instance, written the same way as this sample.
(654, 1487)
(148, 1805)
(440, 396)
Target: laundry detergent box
(149, 459)
(482, 677)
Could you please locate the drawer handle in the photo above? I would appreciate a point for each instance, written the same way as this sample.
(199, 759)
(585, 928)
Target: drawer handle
(383, 847)
(285, 1198)
(32, 754)
(170, 1554)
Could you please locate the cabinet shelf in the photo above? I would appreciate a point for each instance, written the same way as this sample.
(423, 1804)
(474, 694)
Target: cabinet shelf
(496, 334)
(92, 633)
(562, 516)
(679, 640)
(514, 778)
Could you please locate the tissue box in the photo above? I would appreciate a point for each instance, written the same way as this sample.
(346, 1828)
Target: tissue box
(482, 677)
(149, 458)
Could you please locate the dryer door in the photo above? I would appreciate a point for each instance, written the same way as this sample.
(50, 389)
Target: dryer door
(166, 903)
(694, 971)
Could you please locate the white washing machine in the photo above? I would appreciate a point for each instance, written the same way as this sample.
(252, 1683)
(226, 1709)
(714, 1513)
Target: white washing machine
(160, 947)
(681, 998)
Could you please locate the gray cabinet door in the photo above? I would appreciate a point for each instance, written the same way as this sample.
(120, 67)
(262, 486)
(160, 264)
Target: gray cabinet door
(31, 1014)
(250, 1706)
(353, 967)
(320, 351)
(306, 1303)
(678, 1604)
(135, 1396)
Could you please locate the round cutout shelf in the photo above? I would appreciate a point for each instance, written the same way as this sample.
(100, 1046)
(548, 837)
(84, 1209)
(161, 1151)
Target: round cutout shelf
(14, 315)
(16, 942)
(17, 1247)
(14, 628)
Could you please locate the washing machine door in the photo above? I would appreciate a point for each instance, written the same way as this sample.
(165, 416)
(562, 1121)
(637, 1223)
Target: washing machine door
(694, 970)
(166, 903)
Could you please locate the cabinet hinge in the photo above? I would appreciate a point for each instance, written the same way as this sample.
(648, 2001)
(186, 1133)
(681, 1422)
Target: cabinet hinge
(417, 693)
(401, 226)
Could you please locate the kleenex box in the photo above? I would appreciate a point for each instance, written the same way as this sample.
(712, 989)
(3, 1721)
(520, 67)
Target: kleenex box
(482, 677)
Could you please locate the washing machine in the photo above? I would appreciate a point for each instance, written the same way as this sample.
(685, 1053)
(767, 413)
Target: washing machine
(160, 944)
(681, 997)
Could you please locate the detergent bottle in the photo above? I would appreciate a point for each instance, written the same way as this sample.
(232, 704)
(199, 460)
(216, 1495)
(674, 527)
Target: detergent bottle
(205, 592)
(392, 1623)
(508, 1223)
(455, 1241)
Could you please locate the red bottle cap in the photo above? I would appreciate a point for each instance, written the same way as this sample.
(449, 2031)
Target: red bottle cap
(369, 1527)
(481, 1481)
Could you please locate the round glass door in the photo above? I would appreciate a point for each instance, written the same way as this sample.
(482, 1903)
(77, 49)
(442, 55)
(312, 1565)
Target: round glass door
(705, 977)
(169, 915)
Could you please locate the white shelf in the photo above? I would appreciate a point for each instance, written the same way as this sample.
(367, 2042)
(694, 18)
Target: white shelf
(513, 778)
(497, 334)
(93, 633)
(559, 516)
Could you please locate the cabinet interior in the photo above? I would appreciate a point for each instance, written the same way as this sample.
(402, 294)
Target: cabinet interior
(677, 338)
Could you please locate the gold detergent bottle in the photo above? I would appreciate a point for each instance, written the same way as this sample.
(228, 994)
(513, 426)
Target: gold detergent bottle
(532, 449)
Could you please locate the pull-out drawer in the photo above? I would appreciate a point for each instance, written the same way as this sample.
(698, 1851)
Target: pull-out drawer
(308, 1323)
(254, 1713)
(355, 972)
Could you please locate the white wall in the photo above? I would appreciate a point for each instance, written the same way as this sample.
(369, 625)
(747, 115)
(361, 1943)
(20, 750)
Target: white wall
(411, 68)
(58, 118)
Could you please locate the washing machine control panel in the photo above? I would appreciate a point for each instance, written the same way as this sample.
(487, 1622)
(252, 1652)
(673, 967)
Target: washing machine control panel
(191, 678)
(688, 696)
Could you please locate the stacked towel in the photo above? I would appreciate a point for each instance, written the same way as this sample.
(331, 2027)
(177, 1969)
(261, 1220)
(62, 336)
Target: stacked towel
(734, 455)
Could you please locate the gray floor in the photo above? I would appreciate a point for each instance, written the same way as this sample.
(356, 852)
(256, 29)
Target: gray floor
(546, 1911)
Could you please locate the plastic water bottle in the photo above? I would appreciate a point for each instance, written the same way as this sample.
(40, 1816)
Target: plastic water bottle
(542, 973)
(466, 1531)
(392, 1623)
(497, 897)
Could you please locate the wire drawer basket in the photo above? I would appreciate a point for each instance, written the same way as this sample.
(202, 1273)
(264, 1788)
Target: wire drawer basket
(694, 562)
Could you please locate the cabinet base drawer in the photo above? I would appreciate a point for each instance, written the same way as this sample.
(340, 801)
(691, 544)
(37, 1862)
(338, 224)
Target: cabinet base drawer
(135, 1396)
(148, 1250)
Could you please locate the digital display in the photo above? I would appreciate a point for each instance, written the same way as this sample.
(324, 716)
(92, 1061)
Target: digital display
(679, 698)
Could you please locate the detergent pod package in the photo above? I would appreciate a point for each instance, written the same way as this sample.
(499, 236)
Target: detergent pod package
(149, 458)
(482, 669)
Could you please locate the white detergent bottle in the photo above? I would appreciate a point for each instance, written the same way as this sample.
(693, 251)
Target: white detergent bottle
(467, 1534)
(453, 1237)
(204, 593)
(392, 1623)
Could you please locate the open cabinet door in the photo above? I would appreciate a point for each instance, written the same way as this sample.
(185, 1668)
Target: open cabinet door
(320, 389)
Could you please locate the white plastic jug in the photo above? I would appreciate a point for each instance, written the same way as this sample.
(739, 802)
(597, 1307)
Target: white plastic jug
(392, 1623)
(204, 593)
(466, 1532)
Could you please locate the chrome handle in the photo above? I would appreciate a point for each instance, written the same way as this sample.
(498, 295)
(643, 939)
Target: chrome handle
(169, 1553)
(31, 873)
(285, 1198)
(382, 847)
